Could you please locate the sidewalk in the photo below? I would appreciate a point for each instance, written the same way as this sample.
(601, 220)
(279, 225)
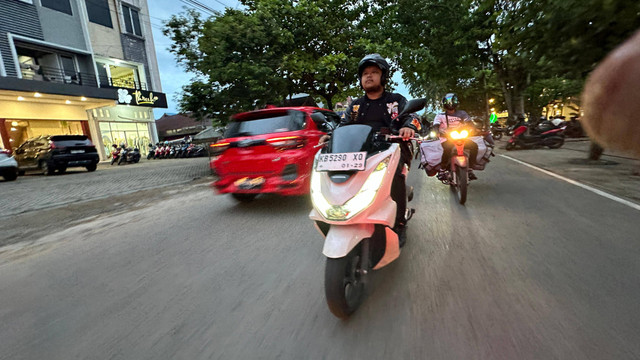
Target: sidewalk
(614, 173)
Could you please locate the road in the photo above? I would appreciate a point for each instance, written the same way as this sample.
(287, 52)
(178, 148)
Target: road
(531, 268)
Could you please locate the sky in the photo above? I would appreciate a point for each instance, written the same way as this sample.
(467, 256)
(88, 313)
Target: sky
(172, 75)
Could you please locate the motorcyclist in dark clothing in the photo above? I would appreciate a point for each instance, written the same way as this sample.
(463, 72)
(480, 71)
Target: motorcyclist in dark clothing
(379, 109)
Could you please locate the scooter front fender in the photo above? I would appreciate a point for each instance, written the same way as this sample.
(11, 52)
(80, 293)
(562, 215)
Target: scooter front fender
(341, 239)
(460, 161)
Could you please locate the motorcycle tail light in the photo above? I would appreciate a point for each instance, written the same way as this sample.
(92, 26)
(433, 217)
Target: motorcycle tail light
(287, 142)
(218, 148)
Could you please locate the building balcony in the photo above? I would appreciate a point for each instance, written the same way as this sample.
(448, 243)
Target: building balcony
(109, 82)
(61, 76)
(52, 74)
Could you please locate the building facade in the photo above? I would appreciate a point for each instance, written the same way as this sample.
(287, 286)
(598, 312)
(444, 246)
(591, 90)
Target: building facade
(78, 67)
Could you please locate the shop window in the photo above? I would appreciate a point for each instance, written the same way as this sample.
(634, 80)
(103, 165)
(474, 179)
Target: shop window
(131, 20)
(63, 6)
(122, 76)
(99, 13)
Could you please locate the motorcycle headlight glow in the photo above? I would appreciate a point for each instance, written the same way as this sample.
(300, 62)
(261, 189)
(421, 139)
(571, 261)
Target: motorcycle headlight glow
(459, 135)
(356, 204)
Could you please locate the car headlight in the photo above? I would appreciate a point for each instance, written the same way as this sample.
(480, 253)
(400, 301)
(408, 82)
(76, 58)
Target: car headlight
(356, 204)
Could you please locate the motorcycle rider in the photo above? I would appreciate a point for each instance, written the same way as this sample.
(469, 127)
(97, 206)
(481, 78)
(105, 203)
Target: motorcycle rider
(450, 119)
(379, 109)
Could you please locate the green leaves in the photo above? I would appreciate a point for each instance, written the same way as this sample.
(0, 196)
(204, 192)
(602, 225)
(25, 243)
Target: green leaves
(509, 50)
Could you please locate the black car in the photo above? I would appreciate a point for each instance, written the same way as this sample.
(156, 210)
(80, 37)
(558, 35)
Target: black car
(56, 152)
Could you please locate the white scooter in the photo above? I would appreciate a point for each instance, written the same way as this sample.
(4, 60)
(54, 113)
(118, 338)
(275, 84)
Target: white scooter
(353, 209)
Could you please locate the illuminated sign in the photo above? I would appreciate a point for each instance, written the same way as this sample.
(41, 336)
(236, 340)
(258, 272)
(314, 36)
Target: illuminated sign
(141, 98)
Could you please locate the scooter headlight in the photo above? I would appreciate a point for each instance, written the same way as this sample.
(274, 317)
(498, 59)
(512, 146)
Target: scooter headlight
(356, 204)
(459, 135)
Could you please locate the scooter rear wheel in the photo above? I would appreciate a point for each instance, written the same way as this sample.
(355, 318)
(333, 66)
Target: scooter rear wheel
(555, 142)
(344, 283)
(510, 146)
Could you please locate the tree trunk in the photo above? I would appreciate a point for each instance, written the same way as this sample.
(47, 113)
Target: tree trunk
(595, 151)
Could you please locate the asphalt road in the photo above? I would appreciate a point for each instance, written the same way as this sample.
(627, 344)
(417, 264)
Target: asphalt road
(531, 268)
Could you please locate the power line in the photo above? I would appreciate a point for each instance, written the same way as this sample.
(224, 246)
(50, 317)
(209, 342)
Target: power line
(194, 5)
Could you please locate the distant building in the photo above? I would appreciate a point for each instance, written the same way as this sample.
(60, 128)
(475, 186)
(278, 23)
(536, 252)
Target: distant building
(172, 127)
(78, 67)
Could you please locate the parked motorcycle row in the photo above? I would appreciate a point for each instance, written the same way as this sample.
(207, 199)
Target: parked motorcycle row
(123, 155)
(168, 150)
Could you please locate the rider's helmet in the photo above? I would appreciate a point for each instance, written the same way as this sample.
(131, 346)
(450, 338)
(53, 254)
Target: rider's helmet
(377, 60)
(450, 101)
(114, 145)
(122, 145)
(166, 143)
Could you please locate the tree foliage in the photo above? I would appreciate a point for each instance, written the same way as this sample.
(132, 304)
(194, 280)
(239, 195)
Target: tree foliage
(522, 53)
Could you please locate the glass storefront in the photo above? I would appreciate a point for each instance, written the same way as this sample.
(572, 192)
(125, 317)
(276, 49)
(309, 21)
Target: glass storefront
(21, 130)
(130, 133)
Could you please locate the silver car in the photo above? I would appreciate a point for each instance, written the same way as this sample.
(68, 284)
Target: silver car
(8, 165)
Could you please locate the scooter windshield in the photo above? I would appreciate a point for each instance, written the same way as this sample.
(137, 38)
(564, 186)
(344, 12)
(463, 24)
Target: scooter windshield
(353, 138)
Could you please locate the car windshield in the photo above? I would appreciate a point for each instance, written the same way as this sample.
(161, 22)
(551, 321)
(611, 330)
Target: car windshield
(267, 123)
(71, 140)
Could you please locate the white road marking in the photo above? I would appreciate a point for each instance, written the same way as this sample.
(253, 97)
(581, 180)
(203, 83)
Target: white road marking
(573, 182)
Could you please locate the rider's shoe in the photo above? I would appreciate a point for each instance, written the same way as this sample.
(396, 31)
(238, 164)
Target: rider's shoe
(442, 175)
(401, 230)
(472, 176)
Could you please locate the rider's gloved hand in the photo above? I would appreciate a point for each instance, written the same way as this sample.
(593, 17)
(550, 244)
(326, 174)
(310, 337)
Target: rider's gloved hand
(406, 133)
(436, 130)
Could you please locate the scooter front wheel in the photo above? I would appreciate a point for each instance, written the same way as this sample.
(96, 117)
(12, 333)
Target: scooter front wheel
(344, 283)
(462, 178)
(497, 135)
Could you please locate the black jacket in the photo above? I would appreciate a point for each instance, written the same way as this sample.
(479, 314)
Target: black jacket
(395, 103)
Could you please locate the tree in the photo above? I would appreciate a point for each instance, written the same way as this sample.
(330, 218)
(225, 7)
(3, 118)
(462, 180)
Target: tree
(269, 51)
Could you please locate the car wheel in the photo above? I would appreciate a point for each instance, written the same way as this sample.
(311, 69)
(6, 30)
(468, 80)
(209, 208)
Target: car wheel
(21, 172)
(45, 168)
(62, 169)
(92, 167)
(11, 176)
(242, 197)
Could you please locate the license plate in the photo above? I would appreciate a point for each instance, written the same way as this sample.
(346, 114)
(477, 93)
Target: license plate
(249, 183)
(77, 151)
(341, 161)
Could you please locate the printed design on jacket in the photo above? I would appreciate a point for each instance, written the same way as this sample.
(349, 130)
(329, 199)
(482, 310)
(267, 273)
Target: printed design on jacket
(392, 108)
(416, 124)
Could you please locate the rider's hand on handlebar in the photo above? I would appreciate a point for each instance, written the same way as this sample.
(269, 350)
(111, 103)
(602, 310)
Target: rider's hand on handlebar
(324, 139)
(406, 133)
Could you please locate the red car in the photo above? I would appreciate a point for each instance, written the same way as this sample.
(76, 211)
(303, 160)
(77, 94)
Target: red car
(269, 151)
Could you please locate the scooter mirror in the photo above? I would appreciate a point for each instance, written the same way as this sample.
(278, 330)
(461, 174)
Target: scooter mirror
(413, 106)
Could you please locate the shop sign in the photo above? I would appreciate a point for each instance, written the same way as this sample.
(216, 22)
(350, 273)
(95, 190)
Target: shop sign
(141, 98)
